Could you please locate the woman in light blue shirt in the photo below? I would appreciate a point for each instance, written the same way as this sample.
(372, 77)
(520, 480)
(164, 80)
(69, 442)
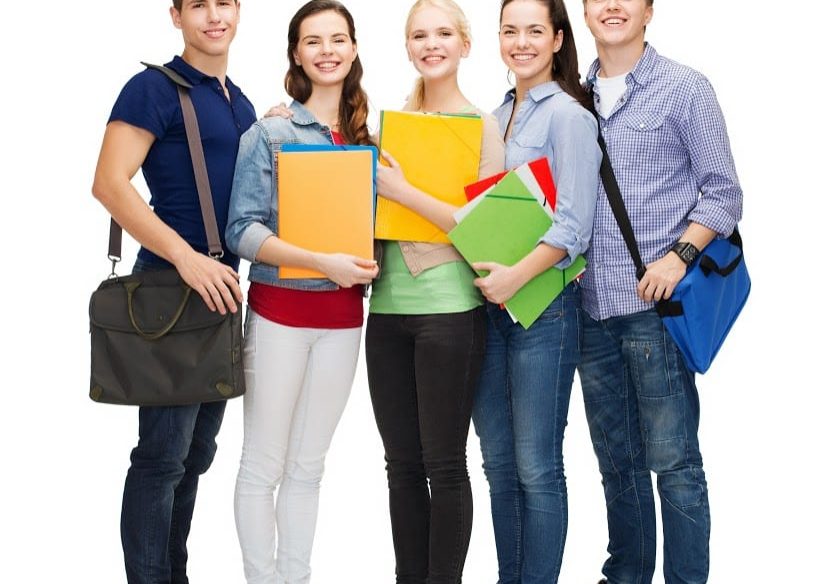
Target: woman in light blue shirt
(521, 404)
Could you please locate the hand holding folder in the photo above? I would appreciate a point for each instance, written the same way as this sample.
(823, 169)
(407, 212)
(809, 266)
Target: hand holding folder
(440, 155)
(326, 201)
(503, 227)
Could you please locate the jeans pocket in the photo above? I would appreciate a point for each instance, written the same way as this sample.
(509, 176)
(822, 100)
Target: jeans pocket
(650, 363)
(553, 312)
(662, 404)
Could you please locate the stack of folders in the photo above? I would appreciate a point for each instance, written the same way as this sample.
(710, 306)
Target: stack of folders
(440, 155)
(504, 223)
(326, 200)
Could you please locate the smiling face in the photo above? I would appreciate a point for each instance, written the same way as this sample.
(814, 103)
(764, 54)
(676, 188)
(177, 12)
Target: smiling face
(325, 51)
(208, 26)
(435, 43)
(527, 41)
(618, 23)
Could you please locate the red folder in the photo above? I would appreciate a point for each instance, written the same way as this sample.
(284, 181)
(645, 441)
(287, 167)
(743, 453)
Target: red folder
(541, 171)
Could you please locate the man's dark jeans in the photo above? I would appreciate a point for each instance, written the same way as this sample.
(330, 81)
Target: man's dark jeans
(176, 445)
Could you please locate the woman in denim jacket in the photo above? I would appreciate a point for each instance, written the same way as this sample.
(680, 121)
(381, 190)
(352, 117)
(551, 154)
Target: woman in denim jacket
(302, 336)
(521, 406)
(426, 332)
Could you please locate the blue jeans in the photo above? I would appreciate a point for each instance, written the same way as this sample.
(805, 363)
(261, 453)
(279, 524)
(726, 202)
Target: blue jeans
(643, 413)
(176, 445)
(520, 415)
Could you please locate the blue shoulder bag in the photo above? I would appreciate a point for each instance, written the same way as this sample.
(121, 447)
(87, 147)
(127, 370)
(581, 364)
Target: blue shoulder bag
(707, 301)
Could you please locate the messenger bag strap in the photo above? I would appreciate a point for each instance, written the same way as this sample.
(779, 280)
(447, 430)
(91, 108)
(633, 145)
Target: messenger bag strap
(201, 175)
(707, 264)
(610, 184)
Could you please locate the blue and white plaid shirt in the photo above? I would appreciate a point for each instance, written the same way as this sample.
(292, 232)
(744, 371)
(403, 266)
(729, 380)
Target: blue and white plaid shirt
(671, 155)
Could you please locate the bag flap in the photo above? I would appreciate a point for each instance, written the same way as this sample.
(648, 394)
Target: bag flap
(156, 302)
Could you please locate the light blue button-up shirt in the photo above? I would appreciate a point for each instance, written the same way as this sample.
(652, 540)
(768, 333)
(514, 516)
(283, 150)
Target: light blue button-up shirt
(672, 159)
(551, 123)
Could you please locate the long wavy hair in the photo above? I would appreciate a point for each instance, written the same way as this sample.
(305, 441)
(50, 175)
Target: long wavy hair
(462, 26)
(565, 69)
(353, 104)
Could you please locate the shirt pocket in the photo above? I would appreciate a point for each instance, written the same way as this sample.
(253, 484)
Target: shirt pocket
(650, 134)
(644, 122)
(533, 136)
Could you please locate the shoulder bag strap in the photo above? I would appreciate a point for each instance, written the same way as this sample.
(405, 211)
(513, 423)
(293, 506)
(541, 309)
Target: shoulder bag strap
(610, 184)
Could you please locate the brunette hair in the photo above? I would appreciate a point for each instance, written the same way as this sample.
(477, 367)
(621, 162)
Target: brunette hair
(462, 26)
(353, 105)
(565, 69)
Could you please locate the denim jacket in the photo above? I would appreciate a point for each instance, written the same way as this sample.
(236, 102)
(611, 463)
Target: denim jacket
(253, 214)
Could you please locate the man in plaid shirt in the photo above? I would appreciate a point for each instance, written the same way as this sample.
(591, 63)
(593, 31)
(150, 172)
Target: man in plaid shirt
(668, 143)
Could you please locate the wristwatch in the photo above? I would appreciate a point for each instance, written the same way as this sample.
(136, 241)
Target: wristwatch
(686, 251)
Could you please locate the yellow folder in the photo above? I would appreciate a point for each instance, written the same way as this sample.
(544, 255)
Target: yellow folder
(326, 201)
(439, 154)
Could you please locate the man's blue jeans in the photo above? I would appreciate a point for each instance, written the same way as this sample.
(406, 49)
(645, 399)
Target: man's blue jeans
(643, 413)
(176, 445)
(520, 415)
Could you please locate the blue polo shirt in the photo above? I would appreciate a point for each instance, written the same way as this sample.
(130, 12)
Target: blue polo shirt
(150, 101)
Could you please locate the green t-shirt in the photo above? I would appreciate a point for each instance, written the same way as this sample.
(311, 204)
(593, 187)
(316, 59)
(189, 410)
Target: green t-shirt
(443, 289)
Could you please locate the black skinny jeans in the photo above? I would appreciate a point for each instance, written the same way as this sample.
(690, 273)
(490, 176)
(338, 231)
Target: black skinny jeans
(422, 372)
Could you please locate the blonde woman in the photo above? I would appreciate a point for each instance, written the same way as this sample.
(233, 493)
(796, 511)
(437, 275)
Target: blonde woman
(426, 332)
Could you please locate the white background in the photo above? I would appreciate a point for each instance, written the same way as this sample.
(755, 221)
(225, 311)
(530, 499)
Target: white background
(765, 429)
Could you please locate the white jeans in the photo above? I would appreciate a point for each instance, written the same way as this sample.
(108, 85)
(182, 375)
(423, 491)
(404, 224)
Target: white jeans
(297, 385)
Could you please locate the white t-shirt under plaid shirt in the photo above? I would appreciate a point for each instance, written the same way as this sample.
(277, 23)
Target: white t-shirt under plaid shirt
(671, 155)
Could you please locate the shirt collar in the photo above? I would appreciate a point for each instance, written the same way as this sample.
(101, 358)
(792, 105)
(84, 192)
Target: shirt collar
(196, 77)
(192, 75)
(537, 93)
(640, 73)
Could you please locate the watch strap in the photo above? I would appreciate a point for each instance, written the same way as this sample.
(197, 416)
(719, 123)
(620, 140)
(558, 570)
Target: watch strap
(686, 251)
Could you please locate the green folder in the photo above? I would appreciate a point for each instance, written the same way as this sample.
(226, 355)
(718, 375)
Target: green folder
(504, 227)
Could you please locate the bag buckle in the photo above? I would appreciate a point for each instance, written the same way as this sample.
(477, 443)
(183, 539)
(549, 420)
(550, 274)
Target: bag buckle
(113, 261)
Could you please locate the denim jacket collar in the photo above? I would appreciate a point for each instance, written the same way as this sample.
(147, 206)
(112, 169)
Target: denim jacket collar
(302, 116)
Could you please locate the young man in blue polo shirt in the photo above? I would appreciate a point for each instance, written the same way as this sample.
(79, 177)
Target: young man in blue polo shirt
(669, 148)
(146, 129)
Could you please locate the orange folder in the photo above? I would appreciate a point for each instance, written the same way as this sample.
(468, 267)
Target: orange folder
(326, 201)
(439, 154)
